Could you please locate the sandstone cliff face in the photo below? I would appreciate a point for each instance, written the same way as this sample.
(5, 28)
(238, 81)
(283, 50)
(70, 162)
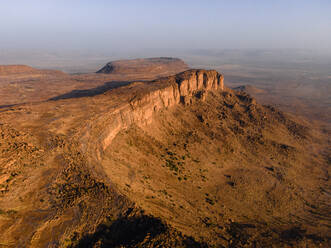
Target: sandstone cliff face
(179, 89)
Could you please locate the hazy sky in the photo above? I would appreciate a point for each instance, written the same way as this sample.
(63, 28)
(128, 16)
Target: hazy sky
(170, 24)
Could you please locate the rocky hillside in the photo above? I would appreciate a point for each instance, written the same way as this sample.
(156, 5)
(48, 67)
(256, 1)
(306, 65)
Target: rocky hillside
(163, 65)
(181, 161)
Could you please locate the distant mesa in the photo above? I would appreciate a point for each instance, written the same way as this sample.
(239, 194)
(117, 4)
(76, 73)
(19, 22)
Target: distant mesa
(249, 89)
(161, 65)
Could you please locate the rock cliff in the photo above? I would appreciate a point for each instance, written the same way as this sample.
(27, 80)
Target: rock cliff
(182, 88)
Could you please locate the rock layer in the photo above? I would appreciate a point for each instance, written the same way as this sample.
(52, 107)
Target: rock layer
(182, 88)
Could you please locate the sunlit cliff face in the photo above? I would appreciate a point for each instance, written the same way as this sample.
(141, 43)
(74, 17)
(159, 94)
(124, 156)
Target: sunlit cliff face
(180, 89)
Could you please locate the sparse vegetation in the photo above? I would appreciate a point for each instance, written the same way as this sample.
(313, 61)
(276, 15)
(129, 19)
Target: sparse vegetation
(69, 162)
(8, 212)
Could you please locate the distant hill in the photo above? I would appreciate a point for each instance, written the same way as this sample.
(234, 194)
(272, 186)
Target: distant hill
(249, 89)
(15, 69)
(162, 65)
(10, 70)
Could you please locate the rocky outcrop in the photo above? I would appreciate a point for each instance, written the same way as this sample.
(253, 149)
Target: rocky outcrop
(167, 92)
(150, 65)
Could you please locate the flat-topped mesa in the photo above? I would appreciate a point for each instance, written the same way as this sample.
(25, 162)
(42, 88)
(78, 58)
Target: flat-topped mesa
(171, 91)
(161, 65)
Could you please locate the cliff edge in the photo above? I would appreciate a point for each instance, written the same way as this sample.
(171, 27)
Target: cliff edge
(161, 94)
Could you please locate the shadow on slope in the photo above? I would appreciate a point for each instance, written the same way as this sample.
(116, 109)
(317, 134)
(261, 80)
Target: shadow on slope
(136, 231)
(91, 92)
(7, 105)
